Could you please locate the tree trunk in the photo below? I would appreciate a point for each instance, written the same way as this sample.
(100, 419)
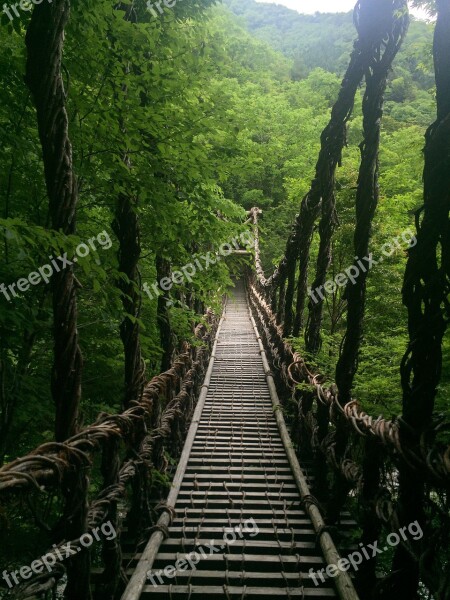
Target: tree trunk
(425, 294)
(126, 227)
(387, 21)
(382, 26)
(44, 40)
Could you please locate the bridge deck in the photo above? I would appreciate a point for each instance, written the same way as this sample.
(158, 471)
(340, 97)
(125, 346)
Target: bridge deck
(237, 489)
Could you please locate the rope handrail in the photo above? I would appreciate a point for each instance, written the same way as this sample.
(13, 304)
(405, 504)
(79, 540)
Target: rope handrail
(372, 445)
(143, 430)
(434, 460)
(46, 464)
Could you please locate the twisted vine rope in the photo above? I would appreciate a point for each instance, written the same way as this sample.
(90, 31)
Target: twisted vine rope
(50, 466)
(431, 459)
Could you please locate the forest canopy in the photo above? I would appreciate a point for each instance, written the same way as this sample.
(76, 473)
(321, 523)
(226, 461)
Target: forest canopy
(230, 121)
(155, 152)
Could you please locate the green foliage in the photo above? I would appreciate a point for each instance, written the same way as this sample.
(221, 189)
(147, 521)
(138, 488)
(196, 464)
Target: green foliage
(302, 108)
(219, 109)
(173, 124)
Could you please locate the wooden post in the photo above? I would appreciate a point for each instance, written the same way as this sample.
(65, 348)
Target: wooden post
(111, 550)
(75, 490)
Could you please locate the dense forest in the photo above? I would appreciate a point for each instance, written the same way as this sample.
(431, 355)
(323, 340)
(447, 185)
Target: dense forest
(179, 122)
(316, 65)
(230, 123)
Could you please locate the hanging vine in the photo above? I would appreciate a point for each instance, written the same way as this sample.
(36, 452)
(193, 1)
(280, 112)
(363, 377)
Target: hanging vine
(392, 18)
(44, 40)
(426, 292)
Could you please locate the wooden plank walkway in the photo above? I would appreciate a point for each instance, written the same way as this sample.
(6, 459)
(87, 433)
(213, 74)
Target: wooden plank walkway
(238, 506)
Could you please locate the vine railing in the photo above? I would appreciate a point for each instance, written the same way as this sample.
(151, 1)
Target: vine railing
(126, 454)
(375, 451)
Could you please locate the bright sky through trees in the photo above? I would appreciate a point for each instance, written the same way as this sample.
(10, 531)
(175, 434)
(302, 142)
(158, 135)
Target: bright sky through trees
(312, 6)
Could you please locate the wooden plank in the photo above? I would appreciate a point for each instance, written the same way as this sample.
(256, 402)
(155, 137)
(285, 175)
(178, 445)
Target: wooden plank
(235, 467)
(239, 559)
(259, 592)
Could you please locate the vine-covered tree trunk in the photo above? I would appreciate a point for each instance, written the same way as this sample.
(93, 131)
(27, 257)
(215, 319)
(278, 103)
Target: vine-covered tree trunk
(111, 551)
(309, 211)
(384, 26)
(281, 301)
(126, 227)
(427, 277)
(44, 42)
(326, 229)
(291, 258)
(366, 577)
(426, 295)
(321, 194)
